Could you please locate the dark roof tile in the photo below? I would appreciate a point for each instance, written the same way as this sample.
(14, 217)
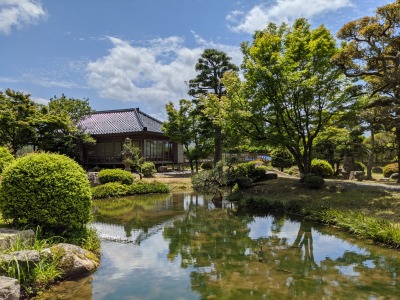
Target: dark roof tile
(120, 121)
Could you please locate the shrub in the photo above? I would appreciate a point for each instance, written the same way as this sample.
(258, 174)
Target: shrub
(207, 165)
(148, 169)
(110, 189)
(321, 168)
(359, 166)
(47, 190)
(377, 170)
(115, 175)
(314, 182)
(244, 182)
(282, 159)
(5, 158)
(142, 187)
(390, 169)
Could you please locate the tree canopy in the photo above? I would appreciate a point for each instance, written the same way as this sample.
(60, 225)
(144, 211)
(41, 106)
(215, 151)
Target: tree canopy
(291, 88)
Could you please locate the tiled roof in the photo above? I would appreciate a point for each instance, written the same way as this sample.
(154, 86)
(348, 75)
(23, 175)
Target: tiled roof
(120, 121)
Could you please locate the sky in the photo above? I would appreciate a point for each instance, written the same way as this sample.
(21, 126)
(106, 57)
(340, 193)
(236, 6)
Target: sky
(138, 53)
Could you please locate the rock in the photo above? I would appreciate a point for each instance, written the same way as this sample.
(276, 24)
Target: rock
(271, 175)
(75, 261)
(23, 258)
(394, 176)
(9, 237)
(9, 288)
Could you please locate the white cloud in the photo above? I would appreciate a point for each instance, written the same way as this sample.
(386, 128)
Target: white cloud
(282, 11)
(19, 13)
(149, 75)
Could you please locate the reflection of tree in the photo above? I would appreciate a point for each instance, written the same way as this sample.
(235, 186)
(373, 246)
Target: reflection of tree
(227, 264)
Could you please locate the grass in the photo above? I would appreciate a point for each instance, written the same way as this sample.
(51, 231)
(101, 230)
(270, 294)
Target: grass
(371, 211)
(35, 277)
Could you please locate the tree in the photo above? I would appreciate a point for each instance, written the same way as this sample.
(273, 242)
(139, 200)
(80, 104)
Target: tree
(371, 54)
(211, 67)
(17, 115)
(291, 89)
(185, 126)
(59, 127)
(54, 127)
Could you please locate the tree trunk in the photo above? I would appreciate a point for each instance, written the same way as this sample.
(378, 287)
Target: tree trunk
(371, 155)
(218, 145)
(398, 150)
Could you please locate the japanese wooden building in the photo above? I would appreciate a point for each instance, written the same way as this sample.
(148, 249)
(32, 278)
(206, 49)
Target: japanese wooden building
(110, 129)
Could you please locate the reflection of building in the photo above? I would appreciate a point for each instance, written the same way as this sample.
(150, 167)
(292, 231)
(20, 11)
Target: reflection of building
(110, 129)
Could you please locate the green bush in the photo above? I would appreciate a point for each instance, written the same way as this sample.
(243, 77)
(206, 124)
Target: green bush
(359, 166)
(390, 169)
(148, 169)
(281, 158)
(314, 182)
(244, 182)
(321, 168)
(47, 190)
(142, 187)
(115, 175)
(207, 165)
(117, 189)
(5, 158)
(110, 189)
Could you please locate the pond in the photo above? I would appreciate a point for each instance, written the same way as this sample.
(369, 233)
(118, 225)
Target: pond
(182, 246)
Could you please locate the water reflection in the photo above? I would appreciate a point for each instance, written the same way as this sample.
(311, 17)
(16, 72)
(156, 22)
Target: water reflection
(182, 247)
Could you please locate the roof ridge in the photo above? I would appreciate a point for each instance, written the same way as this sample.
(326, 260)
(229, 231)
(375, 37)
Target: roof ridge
(148, 116)
(114, 110)
(137, 111)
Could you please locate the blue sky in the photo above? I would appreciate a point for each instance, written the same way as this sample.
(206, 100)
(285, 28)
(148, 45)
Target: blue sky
(131, 53)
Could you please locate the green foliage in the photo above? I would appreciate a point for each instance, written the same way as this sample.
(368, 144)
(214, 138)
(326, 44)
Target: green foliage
(244, 182)
(291, 88)
(116, 189)
(142, 187)
(359, 166)
(281, 158)
(186, 126)
(314, 182)
(5, 158)
(148, 169)
(209, 181)
(389, 169)
(110, 189)
(115, 175)
(207, 165)
(249, 169)
(321, 168)
(377, 170)
(47, 190)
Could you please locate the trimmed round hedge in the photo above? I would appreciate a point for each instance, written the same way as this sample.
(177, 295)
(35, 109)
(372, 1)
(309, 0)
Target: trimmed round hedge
(6, 158)
(47, 190)
(321, 168)
(389, 169)
(148, 169)
(115, 175)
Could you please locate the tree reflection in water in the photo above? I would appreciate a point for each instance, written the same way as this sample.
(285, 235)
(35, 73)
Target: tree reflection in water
(228, 264)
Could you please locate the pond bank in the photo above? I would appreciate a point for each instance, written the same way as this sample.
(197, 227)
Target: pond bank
(369, 210)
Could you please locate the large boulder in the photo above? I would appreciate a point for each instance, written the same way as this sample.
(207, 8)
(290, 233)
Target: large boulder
(9, 288)
(9, 237)
(75, 261)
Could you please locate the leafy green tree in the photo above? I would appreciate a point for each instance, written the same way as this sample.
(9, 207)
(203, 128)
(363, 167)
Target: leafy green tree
(281, 158)
(211, 67)
(185, 126)
(17, 116)
(371, 54)
(70, 136)
(291, 89)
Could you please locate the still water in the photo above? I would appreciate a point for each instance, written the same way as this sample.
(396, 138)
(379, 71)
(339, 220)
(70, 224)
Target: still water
(182, 246)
